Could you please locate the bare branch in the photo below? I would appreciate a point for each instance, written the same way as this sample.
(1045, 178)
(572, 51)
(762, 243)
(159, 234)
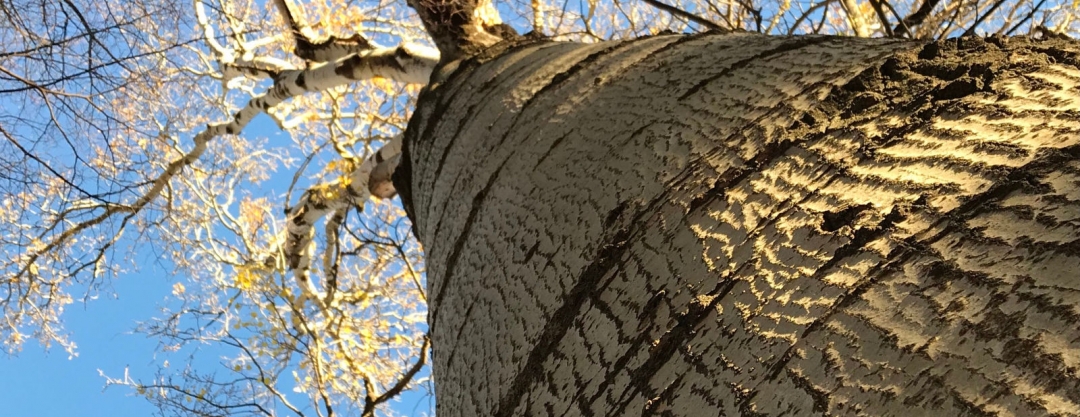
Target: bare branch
(343, 194)
(917, 17)
(978, 21)
(310, 46)
(683, 14)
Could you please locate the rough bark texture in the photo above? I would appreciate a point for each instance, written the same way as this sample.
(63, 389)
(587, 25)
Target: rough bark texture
(748, 225)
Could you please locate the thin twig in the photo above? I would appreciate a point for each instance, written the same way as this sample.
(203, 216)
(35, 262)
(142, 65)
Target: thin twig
(684, 14)
(876, 4)
(898, 19)
(916, 18)
(979, 20)
(1026, 18)
(805, 15)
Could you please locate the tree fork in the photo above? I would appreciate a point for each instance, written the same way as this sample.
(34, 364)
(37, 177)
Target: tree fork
(753, 225)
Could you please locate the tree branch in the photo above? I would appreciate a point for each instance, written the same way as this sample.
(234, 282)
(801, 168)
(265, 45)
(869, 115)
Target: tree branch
(683, 14)
(460, 27)
(320, 200)
(916, 18)
(405, 63)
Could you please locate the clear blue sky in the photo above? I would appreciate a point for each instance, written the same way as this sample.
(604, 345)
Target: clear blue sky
(46, 384)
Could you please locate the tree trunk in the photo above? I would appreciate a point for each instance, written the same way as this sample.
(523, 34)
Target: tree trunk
(750, 225)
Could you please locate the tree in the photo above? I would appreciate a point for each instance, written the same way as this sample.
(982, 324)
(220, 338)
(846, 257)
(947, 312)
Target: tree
(751, 219)
(161, 166)
(751, 225)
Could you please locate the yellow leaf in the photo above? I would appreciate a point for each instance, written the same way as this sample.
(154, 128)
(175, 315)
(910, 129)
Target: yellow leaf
(178, 289)
(245, 279)
(384, 84)
(252, 214)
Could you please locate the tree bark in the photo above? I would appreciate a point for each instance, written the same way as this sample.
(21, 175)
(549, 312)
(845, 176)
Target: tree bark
(748, 225)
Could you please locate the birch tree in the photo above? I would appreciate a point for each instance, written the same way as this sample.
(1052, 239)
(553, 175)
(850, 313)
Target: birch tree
(727, 221)
(170, 171)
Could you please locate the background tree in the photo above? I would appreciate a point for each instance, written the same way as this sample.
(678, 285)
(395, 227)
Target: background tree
(173, 168)
(71, 227)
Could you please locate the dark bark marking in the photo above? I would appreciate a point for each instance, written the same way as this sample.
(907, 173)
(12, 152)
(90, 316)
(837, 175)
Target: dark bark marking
(958, 89)
(1046, 304)
(682, 39)
(820, 398)
(488, 89)
(459, 244)
(666, 394)
(560, 78)
(531, 252)
(1019, 176)
(607, 258)
(792, 45)
(834, 220)
(554, 145)
(937, 381)
(464, 323)
(862, 237)
(746, 404)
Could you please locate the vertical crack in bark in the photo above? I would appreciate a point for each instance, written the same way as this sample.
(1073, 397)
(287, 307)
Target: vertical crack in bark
(487, 89)
(459, 244)
(607, 258)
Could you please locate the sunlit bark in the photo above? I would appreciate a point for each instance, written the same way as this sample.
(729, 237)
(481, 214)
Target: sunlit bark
(748, 225)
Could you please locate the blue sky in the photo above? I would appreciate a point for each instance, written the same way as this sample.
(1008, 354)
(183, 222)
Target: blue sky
(46, 384)
(41, 383)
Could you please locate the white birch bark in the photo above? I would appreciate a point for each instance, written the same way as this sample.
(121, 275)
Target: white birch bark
(748, 225)
(335, 197)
